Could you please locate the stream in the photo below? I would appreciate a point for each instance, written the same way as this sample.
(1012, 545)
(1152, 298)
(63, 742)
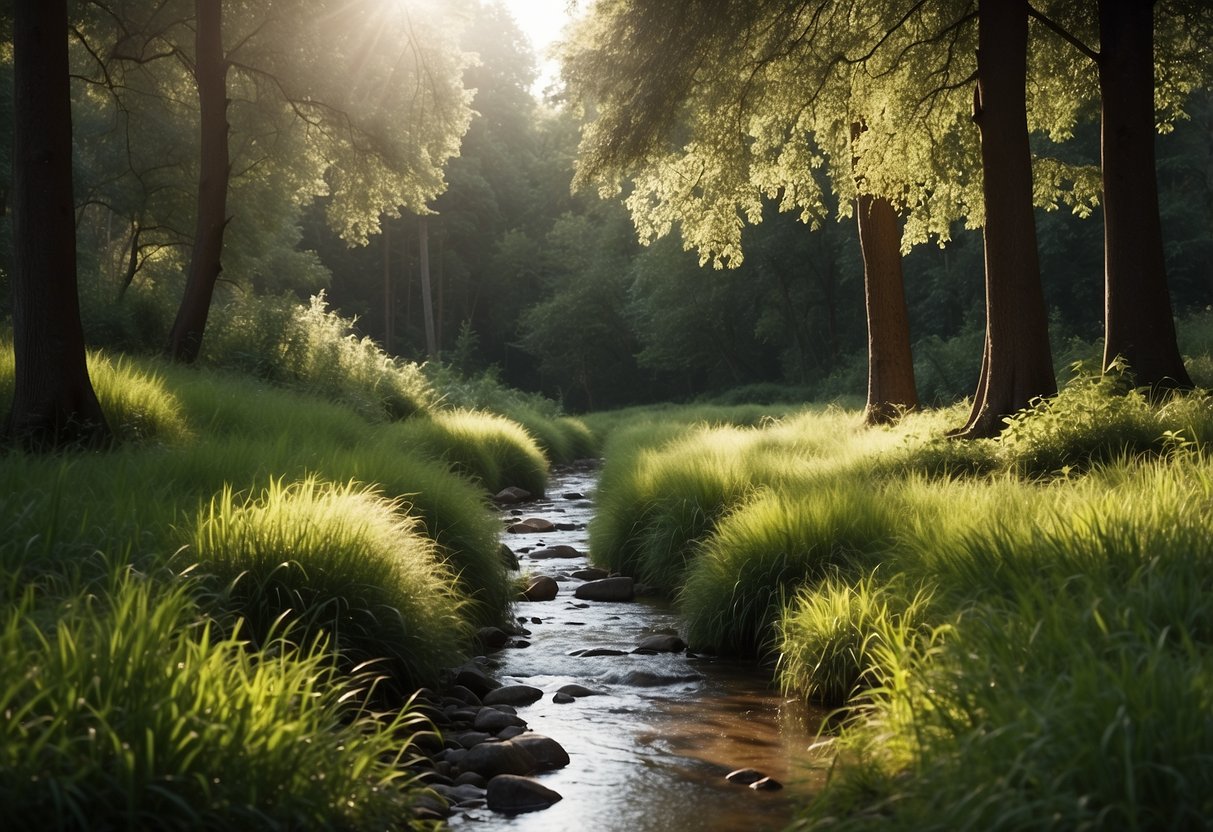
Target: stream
(652, 750)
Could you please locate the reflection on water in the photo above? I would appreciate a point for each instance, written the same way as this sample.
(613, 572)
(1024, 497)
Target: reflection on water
(647, 757)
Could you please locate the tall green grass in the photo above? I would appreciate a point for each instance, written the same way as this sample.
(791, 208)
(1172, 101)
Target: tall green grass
(767, 548)
(493, 450)
(136, 401)
(336, 560)
(123, 708)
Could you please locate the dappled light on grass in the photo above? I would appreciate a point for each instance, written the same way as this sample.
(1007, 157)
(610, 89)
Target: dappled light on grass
(1014, 630)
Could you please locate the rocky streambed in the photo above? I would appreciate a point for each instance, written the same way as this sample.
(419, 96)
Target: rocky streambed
(591, 714)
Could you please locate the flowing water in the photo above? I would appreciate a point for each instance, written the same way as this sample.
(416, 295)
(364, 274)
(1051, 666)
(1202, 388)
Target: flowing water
(650, 752)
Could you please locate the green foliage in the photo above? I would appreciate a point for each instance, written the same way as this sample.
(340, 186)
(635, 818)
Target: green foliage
(829, 637)
(1075, 694)
(770, 546)
(315, 349)
(334, 560)
(493, 450)
(1093, 419)
(132, 711)
(135, 401)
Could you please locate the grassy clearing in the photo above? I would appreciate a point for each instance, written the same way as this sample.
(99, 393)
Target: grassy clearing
(1018, 633)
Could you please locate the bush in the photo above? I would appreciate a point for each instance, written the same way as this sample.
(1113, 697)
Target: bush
(492, 450)
(311, 347)
(1093, 419)
(828, 635)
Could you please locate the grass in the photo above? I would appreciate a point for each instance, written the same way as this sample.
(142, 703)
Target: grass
(307, 562)
(132, 711)
(338, 561)
(493, 450)
(1018, 634)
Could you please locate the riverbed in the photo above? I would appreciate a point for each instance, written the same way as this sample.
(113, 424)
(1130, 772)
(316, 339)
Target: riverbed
(651, 750)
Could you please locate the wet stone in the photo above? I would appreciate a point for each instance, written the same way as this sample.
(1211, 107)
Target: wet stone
(598, 651)
(560, 551)
(563, 698)
(574, 689)
(547, 752)
(541, 588)
(492, 720)
(513, 695)
(744, 776)
(512, 495)
(532, 525)
(573, 495)
(661, 644)
(766, 784)
(513, 794)
(591, 573)
(490, 759)
(607, 589)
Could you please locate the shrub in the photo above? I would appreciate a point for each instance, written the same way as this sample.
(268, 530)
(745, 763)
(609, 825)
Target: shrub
(493, 450)
(1093, 419)
(311, 347)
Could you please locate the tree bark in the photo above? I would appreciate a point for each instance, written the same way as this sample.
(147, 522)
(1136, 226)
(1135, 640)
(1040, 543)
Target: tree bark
(1017, 364)
(1139, 325)
(54, 404)
(891, 388)
(210, 72)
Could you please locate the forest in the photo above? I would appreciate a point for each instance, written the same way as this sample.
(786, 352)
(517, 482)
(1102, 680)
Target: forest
(884, 329)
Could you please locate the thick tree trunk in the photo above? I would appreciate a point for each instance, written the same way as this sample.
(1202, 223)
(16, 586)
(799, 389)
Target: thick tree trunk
(1017, 364)
(54, 404)
(210, 71)
(1138, 322)
(891, 389)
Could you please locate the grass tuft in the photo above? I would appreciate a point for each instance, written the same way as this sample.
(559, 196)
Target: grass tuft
(337, 560)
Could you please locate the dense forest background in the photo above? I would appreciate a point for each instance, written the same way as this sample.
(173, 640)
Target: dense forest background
(549, 290)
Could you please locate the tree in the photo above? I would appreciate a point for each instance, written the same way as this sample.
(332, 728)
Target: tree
(54, 404)
(358, 102)
(1017, 365)
(210, 68)
(651, 80)
(1139, 324)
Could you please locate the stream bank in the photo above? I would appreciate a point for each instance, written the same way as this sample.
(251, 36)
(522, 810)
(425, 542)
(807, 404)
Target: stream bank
(651, 745)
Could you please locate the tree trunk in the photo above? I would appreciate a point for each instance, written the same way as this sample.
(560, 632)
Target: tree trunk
(54, 404)
(891, 388)
(210, 72)
(1139, 326)
(427, 300)
(1017, 365)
